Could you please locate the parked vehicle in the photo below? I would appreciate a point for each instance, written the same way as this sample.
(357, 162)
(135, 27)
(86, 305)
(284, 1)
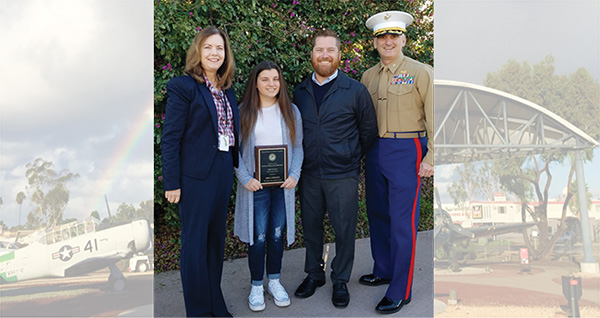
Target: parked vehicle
(141, 263)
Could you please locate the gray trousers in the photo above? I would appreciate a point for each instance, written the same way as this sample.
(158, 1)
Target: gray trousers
(339, 198)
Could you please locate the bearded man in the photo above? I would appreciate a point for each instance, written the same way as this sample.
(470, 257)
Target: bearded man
(339, 125)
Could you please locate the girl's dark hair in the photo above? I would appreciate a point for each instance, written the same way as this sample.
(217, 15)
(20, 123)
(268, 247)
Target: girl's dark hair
(250, 104)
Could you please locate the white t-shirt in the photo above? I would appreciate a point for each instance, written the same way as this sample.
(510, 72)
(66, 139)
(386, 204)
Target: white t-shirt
(267, 131)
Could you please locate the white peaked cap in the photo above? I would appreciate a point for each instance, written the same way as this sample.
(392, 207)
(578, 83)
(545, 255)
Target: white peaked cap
(392, 22)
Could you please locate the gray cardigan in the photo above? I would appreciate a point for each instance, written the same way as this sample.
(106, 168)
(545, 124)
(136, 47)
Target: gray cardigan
(244, 203)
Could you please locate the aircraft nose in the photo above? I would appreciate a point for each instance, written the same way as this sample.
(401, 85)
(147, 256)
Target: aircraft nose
(142, 235)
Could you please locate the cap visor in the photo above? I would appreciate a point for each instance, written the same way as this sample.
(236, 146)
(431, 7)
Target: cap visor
(384, 32)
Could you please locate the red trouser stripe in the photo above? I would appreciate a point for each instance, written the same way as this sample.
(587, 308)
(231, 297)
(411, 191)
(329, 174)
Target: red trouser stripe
(414, 229)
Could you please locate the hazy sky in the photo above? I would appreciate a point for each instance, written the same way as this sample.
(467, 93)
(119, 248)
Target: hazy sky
(473, 38)
(76, 83)
(76, 89)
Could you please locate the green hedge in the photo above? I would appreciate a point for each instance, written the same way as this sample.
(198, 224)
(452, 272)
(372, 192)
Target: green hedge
(279, 31)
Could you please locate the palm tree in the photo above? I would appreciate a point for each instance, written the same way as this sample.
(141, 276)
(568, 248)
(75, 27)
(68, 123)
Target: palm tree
(20, 199)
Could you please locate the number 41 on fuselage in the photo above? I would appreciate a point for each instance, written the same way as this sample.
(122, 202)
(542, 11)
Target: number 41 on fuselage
(75, 249)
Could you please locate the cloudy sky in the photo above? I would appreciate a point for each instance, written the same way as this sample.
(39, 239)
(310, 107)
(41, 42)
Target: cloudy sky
(473, 38)
(76, 84)
(76, 90)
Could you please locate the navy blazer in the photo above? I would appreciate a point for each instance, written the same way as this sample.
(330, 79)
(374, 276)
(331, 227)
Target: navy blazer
(190, 134)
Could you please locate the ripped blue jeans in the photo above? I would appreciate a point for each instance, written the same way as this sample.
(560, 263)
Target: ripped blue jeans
(269, 223)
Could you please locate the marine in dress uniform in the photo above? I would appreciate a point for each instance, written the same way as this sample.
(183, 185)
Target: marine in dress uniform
(402, 93)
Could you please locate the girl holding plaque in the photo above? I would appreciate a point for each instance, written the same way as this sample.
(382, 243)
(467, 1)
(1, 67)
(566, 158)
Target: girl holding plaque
(268, 120)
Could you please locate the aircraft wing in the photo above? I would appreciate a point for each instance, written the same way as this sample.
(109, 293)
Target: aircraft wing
(498, 229)
(92, 264)
(447, 232)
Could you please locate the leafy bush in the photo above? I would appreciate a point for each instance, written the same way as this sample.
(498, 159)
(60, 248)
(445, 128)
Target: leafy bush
(281, 32)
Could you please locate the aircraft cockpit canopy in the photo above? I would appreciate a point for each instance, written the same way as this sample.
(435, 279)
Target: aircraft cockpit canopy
(67, 231)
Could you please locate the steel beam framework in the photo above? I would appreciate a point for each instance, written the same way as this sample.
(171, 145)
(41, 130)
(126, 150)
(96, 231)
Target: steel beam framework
(475, 123)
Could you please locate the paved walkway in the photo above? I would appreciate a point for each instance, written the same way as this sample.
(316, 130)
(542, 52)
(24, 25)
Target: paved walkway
(168, 295)
(502, 289)
(546, 279)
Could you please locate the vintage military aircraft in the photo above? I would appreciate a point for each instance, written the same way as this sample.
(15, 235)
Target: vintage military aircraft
(74, 249)
(446, 234)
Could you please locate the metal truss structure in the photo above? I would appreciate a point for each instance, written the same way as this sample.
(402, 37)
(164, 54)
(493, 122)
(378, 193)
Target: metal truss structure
(475, 123)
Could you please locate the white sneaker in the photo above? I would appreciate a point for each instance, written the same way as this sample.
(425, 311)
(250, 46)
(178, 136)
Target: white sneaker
(280, 296)
(256, 300)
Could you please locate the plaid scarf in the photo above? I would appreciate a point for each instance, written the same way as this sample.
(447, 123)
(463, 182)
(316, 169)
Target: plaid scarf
(224, 112)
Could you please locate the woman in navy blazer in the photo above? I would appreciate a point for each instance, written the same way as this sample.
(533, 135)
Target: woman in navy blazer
(199, 152)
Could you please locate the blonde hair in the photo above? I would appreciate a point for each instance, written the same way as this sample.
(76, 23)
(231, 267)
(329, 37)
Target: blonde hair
(193, 64)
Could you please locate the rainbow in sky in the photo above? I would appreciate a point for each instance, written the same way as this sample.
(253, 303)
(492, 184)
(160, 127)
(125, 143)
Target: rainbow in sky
(138, 135)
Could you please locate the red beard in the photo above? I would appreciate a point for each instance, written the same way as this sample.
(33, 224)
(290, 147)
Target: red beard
(325, 71)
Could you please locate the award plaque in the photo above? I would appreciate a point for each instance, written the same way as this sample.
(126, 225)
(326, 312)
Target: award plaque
(271, 164)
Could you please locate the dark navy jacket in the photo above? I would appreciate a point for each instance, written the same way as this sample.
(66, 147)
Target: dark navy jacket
(340, 132)
(190, 137)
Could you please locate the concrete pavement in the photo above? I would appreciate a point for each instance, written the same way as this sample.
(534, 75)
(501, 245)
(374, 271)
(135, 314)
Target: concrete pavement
(168, 295)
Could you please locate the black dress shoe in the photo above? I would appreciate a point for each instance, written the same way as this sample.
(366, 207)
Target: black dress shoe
(308, 287)
(390, 306)
(340, 297)
(372, 280)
